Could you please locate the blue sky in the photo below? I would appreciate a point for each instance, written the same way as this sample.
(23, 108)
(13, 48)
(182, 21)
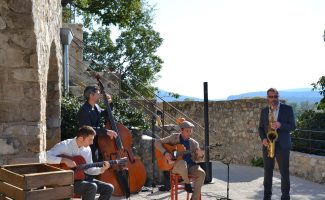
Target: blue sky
(239, 46)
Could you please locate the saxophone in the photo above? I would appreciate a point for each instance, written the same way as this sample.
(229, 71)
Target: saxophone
(271, 135)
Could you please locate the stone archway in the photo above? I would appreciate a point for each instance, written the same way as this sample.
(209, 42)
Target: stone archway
(53, 99)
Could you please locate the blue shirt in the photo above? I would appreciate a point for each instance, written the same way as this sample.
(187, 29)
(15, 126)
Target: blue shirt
(186, 157)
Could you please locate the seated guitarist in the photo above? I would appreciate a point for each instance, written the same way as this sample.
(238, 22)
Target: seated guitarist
(79, 146)
(187, 165)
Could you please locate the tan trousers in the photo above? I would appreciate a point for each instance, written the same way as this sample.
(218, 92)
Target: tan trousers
(196, 171)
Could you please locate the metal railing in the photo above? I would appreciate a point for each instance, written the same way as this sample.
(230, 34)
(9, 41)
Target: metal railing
(308, 141)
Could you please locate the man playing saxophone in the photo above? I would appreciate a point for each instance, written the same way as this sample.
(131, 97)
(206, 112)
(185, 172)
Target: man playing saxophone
(277, 118)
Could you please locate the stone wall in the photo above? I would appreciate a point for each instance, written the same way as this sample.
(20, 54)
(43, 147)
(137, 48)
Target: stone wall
(234, 124)
(310, 167)
(30, 79)
(231, 123)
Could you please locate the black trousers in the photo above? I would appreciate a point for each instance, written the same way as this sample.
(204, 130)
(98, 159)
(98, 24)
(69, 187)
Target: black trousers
(96, 154)
(282, 157)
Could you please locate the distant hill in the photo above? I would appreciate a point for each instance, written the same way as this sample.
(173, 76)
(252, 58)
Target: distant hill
(297, 95)
(291, 95)
(165, 96)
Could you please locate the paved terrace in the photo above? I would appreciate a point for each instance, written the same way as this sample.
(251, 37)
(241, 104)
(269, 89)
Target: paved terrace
(245, 183)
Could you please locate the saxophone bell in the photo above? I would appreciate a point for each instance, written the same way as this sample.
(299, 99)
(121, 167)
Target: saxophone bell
(272, 134)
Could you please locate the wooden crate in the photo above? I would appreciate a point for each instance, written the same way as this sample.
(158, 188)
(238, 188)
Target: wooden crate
(35, 181)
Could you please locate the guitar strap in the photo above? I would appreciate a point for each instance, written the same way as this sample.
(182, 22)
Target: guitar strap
(123, 177)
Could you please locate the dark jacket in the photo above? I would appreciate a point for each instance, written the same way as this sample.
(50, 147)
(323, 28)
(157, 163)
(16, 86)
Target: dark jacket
(89, 117)
(287, 120)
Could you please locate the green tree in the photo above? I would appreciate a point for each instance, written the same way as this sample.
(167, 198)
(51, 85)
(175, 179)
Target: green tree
(300, 108)
(311, 125)
(310, 135)
(118, 13)
(320, 86)
(133, 54)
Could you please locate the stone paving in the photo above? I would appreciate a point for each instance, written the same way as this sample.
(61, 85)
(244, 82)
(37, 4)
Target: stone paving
(245, 183)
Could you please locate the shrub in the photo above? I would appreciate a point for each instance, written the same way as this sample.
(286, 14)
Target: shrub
(123, 113)
(69, 109)
(257, 162)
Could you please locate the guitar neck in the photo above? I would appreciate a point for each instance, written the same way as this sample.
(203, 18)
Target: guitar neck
(180, 153)
(96, 164)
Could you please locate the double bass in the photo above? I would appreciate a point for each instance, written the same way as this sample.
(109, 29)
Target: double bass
(131, 177)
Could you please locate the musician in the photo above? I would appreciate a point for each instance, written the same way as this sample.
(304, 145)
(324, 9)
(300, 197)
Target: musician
(186, 166)
(79, 146)
(283, 123)
(90, 114)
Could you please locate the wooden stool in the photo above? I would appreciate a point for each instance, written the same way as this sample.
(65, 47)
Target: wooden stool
(175, 186)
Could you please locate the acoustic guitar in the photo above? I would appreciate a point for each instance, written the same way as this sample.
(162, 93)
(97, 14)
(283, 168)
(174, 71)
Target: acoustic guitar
(177, 151)
(82, 165)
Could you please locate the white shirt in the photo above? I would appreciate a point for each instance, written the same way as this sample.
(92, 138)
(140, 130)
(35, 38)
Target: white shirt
(276, 111)
(69, 147)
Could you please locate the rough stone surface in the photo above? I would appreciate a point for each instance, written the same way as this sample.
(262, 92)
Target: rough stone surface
(311, 167)
(234, 124)
(8, 146)
(2, 24)
(30, 80)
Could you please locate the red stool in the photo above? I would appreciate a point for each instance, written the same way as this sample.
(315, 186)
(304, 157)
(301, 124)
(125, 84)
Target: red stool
(175, 186)
(76, 195)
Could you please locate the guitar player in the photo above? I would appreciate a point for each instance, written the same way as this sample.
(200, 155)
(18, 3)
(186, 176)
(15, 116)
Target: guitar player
(187, 165)
(79, 146)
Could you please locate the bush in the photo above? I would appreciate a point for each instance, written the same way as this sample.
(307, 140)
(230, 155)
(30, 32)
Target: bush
(257, 162)
(69, 109)
(123, 113)
(128, 115)
(309, 138)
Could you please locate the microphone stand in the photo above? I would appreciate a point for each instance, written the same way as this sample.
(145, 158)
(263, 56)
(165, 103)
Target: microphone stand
(227, 162)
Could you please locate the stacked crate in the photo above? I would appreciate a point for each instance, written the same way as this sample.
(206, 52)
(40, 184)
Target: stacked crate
(35, 181)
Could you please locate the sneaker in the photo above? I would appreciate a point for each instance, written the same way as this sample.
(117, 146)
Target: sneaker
(163, 188)
(188, 188)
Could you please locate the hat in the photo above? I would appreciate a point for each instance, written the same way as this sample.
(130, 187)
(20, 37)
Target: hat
(186, 124)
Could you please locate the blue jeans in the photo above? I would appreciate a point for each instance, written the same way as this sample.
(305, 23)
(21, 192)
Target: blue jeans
(88, 189)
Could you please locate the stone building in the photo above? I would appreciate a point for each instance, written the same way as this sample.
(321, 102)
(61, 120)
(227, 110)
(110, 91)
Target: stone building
(30, 78)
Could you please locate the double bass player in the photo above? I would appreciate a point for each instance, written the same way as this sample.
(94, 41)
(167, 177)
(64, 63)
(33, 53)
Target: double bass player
(90, 114)
(112, 143)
